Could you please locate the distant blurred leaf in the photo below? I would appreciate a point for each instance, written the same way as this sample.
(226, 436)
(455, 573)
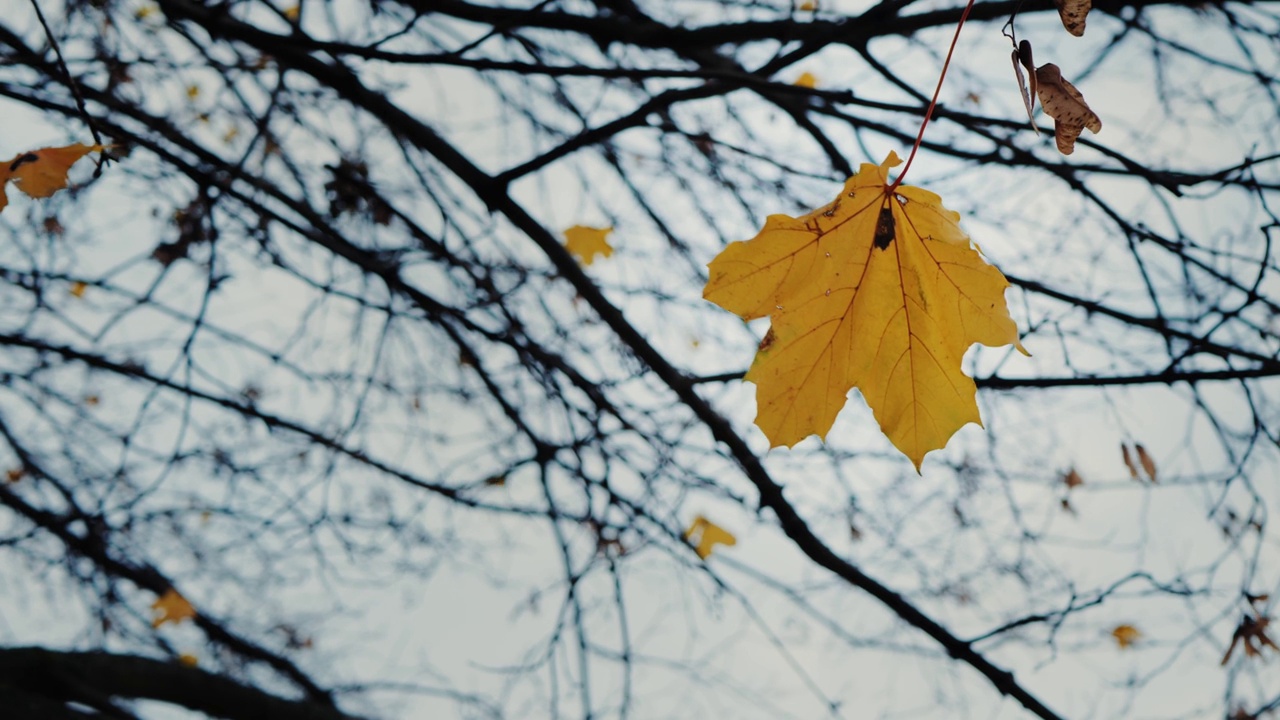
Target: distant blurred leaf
(1251, 634)
(1125, 635)
(585, 243)
(1148, 464)
(1128, 462)
(171, 607)
(705, 535)
(41, 173)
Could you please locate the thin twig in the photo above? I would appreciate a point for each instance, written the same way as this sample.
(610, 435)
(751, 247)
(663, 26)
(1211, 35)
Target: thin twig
(932, 103)
(71, 83)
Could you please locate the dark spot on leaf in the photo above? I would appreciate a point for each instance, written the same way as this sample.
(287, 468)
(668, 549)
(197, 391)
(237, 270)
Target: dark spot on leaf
(884, 228)
(19, 162)
(767, 342)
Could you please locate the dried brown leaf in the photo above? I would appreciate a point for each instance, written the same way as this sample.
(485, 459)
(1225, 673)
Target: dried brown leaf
(1064, 103)
(1021, 59)
(1073, 14)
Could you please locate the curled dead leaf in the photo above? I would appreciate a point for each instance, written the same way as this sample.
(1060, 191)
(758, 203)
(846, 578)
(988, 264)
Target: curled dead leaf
(1064, 103)
(1022, 59)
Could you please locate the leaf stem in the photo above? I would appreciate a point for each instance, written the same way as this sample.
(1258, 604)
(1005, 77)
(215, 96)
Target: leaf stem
(934, 102)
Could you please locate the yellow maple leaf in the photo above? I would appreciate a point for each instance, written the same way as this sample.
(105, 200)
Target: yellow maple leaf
(879, 290)
(1125, 635)
(41, 173)
(171, 607)
(705, 535)
(587, 242)
(806, 80)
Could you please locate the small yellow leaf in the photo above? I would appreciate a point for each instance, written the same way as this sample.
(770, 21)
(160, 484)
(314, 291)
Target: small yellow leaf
(193, 92)
(880, 290)
(145, 12)
(41, 173)
(292, 12)
(705, 535)
(587, 242)
(1064, 103)
(77, 288)
(808, 6)
(1148, 464)
(1125, 635)
(806, 80)
(92, 400)
(171, 607)
(14, 475)
(188, 660)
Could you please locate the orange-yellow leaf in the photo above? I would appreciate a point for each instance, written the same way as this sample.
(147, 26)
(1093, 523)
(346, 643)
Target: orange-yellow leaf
(705, 535)
(292, 12)
(806, 80)
(13, 475)
(587, 242)
(1072, 479)
(1125, 635)
(808, 6)
(880, 291)
(171, 607)
(77, 288)
(41, 173)
(188, 660)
